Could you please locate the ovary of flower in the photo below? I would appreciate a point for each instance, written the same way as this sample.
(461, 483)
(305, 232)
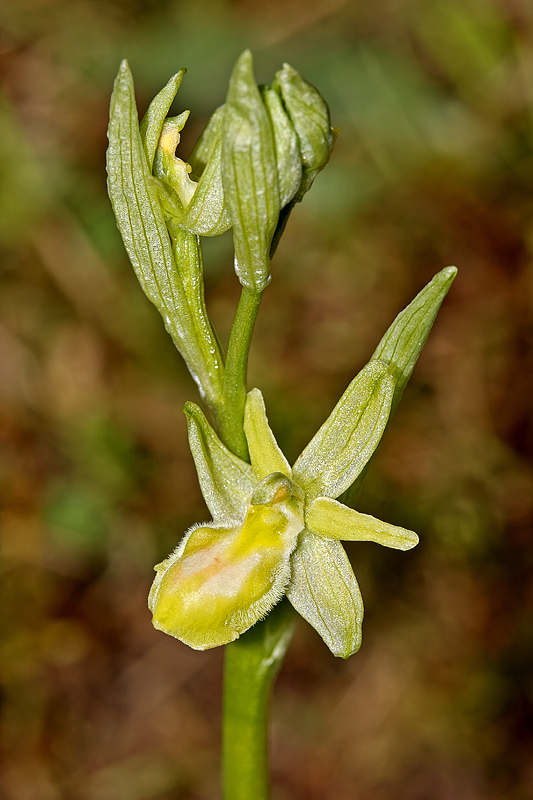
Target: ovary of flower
(276, 530)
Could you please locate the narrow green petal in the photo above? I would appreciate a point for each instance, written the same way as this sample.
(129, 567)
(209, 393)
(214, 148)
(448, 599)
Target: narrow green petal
(265, 454)
(338, 452)
(152, 123)
(222, 579)
(323, 589)
(336, 521)
(401, 345)
(225, 480)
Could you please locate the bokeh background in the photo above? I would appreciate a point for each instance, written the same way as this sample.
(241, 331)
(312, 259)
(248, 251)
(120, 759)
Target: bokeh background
(433, 166)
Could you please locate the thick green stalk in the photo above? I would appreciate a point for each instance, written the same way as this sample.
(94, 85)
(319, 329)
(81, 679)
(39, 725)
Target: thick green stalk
(252, 663)
(232, 419)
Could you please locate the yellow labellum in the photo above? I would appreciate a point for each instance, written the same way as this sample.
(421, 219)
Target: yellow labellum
(221, 580)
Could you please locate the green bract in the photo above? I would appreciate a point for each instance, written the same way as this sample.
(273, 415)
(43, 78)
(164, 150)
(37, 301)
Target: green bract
(169, 267)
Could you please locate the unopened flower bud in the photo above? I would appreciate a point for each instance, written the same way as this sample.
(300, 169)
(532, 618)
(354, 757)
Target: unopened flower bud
(309, 114)
(250, 175)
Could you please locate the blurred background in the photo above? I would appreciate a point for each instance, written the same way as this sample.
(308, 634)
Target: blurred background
(433, 166)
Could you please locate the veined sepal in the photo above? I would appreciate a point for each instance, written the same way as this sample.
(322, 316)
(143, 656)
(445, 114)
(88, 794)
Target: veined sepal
(342, 446)
(225, 479)
(208, 213)
(288, 156)
(400, 347)
(323, 589)
(405, 338)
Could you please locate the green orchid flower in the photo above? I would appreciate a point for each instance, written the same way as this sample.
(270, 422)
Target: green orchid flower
(277, 530)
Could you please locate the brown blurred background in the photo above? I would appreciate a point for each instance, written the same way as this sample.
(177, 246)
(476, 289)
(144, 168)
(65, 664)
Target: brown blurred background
(433, 166)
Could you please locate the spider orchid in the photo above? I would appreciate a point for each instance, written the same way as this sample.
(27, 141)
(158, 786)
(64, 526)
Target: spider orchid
(276, 530)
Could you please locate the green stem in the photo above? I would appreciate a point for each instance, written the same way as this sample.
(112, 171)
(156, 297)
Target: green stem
(251, 664)
(252, 661)
(232, 419)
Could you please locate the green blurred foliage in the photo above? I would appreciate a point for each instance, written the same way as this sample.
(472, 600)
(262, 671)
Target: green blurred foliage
(433, 166)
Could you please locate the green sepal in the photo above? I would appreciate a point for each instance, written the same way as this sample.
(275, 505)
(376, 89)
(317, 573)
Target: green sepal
(265, 454)
(288, 157)
(250, 176)
(169, 200)
(334, 520)
(323, 589)
(154, 119)
(141, 223)
(340, 449)
(225, 480)
(405, 338)
(403, 341)
(309, 114)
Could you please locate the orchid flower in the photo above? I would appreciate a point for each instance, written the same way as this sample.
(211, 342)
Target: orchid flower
(276, 530)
